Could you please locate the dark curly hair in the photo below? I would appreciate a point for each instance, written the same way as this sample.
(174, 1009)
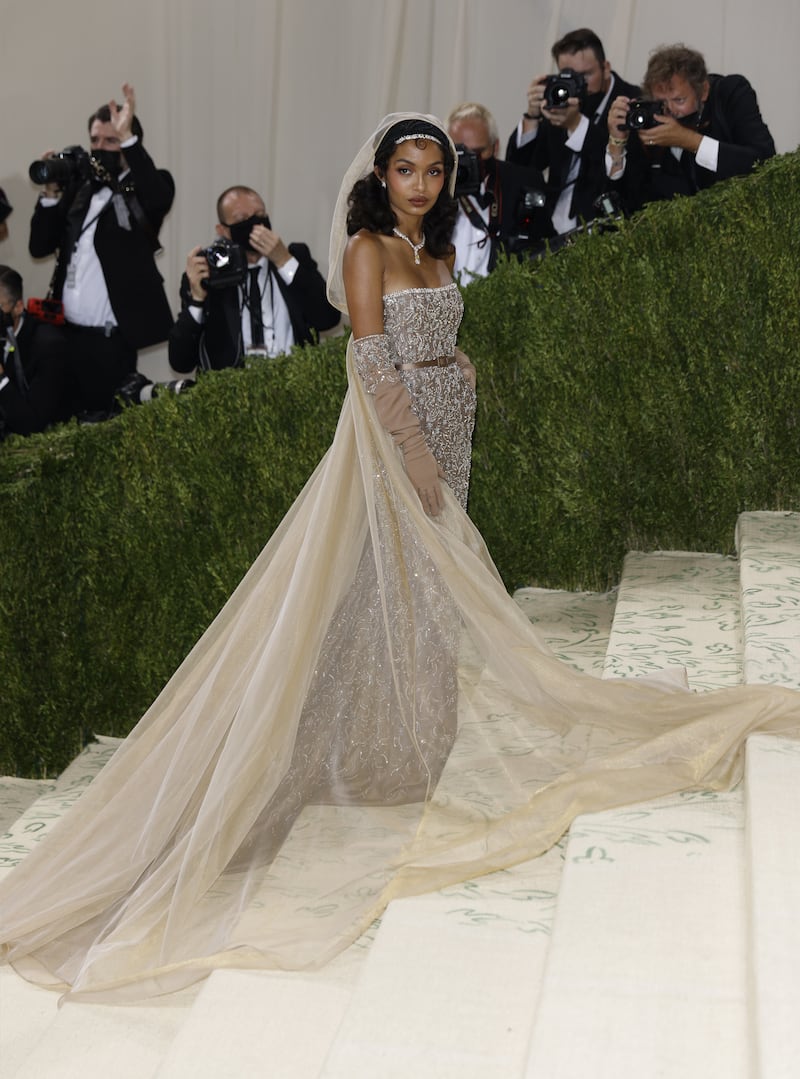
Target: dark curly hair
(369, 205)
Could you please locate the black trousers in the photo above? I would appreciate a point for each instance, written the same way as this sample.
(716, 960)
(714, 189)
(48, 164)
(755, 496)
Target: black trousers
(97, 361)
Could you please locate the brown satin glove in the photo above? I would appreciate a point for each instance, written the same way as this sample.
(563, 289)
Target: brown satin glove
(393, 405)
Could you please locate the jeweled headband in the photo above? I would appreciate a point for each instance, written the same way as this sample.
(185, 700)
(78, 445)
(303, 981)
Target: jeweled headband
(405, 131)
(416, 135)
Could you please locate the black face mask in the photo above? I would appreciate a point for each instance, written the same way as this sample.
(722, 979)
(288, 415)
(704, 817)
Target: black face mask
(240, 232)
(487, 167)
(108, 162)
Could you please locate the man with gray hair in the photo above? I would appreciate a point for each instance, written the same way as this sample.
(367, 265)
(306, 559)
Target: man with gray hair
(499, 204)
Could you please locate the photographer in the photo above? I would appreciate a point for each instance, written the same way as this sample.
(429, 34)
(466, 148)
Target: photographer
(101, 212)
(33, 364)
(500, 206)
(691, 130)
(565, 128)
(257, 297)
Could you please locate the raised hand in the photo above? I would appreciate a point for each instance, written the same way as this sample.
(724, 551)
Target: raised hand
(122, 118)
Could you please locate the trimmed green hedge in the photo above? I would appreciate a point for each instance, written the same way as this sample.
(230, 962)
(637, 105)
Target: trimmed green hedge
(637, 390)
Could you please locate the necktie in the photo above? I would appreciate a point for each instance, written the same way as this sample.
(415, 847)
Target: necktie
(254, 306)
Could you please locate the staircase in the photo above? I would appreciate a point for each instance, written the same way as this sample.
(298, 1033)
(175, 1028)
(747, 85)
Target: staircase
(655, 940)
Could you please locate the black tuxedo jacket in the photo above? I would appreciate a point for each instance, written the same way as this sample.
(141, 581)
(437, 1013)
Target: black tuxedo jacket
(731, 116)
(549, 151)
(37, 392)
(217, 342)
(135, 287)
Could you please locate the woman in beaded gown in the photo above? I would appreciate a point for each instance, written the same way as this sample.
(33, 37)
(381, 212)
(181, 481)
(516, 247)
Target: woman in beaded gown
(370, 715)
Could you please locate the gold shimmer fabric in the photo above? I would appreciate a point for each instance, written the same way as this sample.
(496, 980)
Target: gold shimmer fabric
(370, 716)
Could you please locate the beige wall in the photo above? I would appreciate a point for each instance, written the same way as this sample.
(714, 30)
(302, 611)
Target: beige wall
(278, 94)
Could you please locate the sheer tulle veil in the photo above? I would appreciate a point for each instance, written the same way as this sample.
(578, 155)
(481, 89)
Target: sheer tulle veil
(370, 716)
(360, 167)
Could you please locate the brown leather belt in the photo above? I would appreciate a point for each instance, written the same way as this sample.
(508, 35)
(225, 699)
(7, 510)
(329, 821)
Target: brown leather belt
(437, 361)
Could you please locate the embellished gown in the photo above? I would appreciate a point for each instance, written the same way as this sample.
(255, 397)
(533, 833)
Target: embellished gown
(369, 716)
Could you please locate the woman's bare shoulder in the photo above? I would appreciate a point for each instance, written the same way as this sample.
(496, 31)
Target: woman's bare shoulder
(364, 247)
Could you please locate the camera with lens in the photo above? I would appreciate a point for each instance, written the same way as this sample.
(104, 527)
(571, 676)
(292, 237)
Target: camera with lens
(530, 222)
(227, 264)
(530, 205)
(608, 205)
(73, 163)
(468, 175)
(559, 88)
(137, 389)
(642, 115)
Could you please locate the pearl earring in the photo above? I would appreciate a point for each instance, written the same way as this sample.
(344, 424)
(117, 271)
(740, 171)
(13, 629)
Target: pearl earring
(383, 183)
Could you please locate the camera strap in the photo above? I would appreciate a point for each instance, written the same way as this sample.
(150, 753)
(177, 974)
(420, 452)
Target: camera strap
(490, 230)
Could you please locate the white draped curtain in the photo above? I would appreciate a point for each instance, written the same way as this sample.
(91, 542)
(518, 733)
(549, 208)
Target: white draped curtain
(278, 94)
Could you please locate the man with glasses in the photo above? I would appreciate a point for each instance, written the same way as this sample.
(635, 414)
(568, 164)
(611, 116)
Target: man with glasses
(33, 365)
(704, 128)
(567, 132)
(500, 206)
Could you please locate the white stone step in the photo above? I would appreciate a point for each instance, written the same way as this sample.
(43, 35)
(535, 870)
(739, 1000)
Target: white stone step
(95, 1041)
(451, 982)
(576, 625)
(772, 787)
(250, 1023)
(769, 556)
(40, 815)
(26, 1012)
(17, 795)
(647, 968)
(678, 609)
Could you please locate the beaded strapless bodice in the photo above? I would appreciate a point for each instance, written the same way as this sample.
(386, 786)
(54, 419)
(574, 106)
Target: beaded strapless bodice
(423, 322)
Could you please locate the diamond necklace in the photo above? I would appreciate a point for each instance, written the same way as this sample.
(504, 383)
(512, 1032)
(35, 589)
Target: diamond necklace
(416, 248)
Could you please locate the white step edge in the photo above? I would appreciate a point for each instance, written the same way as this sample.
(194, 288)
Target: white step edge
(769, 554)
(39, 818)
(772, 789)
(647, 968)
(678, 609)
(251, 1023)
(26, 1012)
(443, 995)
(17, 795)
(575, 625)
(97, 1041)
